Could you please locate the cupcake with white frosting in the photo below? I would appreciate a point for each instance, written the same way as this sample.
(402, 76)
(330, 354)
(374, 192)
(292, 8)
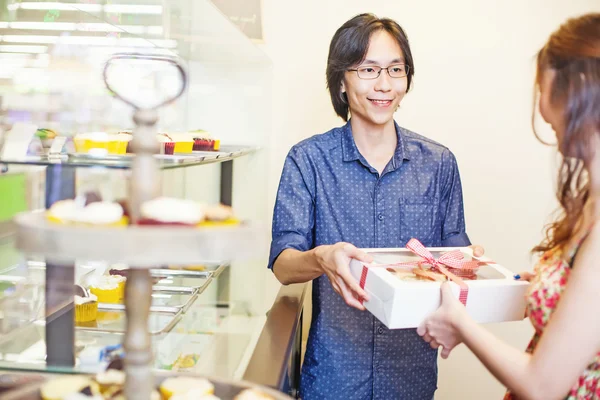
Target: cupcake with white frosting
(101, 213)
(171, 211)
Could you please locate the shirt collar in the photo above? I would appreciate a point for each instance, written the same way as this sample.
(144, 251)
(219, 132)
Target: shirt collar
(350, 151)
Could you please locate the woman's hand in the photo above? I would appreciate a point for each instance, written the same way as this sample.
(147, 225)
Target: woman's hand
(443, 327)
(525, 276)
(334, 260)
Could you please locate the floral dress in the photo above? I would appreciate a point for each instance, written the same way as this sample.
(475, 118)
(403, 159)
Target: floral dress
(551, 275)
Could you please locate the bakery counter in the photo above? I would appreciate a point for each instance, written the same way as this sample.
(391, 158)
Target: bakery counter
(192, 329)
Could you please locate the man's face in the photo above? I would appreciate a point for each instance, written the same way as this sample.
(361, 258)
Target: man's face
(373, 101)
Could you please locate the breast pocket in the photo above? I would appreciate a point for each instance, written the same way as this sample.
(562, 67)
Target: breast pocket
(417, 219)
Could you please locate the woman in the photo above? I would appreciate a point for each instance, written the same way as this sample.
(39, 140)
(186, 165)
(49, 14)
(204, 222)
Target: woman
(563, 358)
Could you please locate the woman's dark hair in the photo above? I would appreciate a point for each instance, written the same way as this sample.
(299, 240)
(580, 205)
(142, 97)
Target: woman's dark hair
(349, 47)
(573, 52)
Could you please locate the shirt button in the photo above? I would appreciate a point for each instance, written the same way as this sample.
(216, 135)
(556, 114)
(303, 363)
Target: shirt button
(380, 330)
(380, 217)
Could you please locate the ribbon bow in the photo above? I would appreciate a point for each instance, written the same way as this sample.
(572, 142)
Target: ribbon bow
(452, 264)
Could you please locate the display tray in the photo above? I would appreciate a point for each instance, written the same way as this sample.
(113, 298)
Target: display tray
(168, 297)
(224, 390)
(147, 246)
(112, 319)
(176, 158)
(210, 269)
(124, 161)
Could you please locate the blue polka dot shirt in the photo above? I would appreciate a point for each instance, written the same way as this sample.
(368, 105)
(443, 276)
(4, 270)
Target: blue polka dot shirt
(329, 193)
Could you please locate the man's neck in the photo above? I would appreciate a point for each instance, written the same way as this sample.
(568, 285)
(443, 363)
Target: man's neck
(377, 144)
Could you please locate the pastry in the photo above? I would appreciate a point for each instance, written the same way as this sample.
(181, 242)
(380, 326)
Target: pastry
(46, 136)
(108, 288)
(59, 389)
(170, 211)
(203, 144)
(184, 362)
(110, 382)
(86, 308)
(219, 212)
(184, 142)
(123, 270)
(181, 385)
(203, 141)
(101, 142)
(167, 144)
(100, 213)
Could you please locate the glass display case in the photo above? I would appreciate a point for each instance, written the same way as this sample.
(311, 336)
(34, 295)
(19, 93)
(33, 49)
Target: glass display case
(210, 312)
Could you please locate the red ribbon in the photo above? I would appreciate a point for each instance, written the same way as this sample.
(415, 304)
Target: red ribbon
(452, 264)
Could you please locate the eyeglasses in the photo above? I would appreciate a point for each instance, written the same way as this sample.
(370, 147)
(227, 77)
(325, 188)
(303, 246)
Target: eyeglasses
(373, 72)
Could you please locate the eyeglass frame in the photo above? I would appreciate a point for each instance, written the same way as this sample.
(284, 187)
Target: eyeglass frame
(406, 71)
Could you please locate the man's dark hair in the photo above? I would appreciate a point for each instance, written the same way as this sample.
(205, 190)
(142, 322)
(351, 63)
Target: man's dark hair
(349, 47)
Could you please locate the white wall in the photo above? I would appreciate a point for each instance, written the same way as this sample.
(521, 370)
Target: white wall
(472, 91)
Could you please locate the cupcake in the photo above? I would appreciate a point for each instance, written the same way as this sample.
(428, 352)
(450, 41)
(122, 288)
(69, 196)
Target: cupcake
(46, 136)
(170, 211)
(86, 308)
(219, 214)
(252, 394)
(184, 142)
(182, 385)
(185, 362)
(108, 289)
(167, 145)
(100, 213)
(61, 388)
(110, 382)
(64, 211)
(203, 144)
(101, 143)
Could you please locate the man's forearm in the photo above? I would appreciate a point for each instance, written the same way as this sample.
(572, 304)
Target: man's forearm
(294, 266)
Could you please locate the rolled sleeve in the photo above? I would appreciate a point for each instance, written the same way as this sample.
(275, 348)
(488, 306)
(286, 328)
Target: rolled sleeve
(453, 226)
(293, 215)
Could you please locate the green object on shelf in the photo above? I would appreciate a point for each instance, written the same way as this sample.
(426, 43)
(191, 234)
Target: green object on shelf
(13, 195)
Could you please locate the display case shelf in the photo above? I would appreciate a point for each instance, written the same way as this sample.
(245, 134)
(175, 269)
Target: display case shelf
(137, 246)
(227, 153)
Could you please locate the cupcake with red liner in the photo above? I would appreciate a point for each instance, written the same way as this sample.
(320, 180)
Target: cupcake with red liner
(167, 144)
(171, 211)
(204, 144)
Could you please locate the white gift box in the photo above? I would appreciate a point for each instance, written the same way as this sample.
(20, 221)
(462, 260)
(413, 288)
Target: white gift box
(495, 296)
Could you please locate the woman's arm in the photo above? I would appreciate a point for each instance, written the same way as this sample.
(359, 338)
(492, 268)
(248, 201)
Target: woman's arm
(568, 344)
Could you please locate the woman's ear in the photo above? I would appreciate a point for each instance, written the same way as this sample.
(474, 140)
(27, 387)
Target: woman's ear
(343, 88)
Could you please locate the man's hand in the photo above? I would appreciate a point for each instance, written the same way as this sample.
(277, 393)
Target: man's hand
(334, 260)
(478, 250)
